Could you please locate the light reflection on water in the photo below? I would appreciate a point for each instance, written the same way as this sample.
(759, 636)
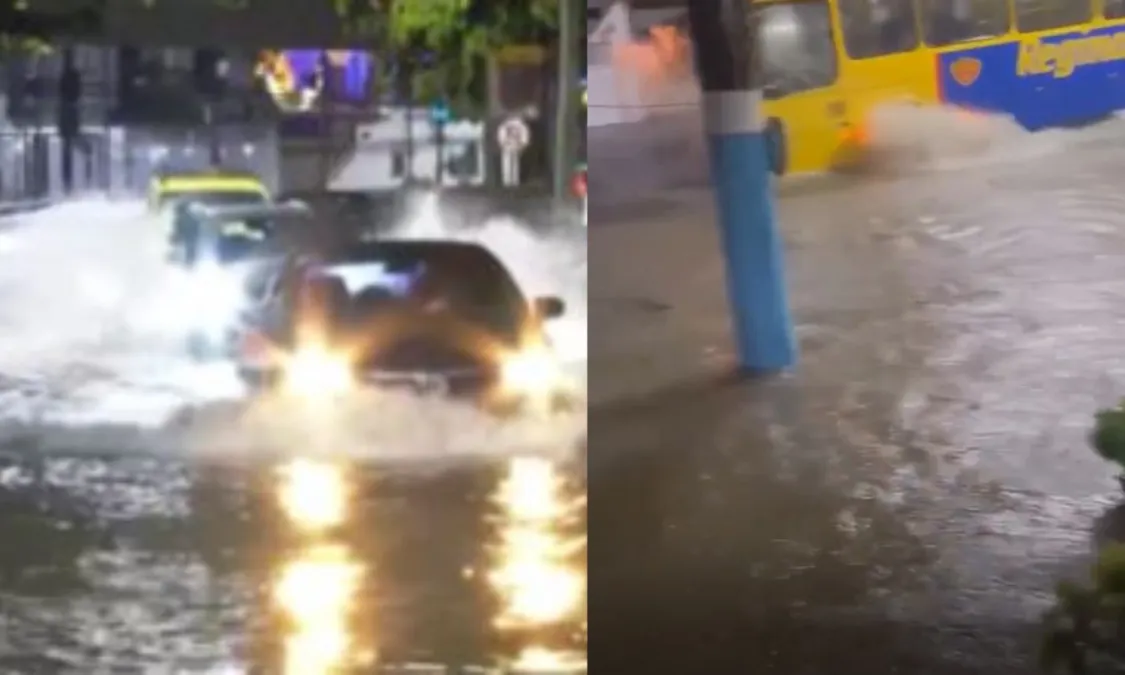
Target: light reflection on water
(313, 495)
(536, 574)
(316, 589)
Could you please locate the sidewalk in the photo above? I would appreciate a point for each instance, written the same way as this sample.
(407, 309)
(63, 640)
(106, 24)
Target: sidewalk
(657, 289)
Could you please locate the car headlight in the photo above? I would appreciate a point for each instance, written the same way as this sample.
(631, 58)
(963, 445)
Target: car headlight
(315, 372)
(531, 372)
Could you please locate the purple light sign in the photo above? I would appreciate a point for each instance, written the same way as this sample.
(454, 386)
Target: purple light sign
(351, 70)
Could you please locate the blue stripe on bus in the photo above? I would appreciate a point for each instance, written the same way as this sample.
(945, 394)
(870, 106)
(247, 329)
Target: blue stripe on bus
(1064, 79)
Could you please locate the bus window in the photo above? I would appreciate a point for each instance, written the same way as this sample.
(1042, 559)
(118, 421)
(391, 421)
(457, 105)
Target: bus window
(878, 27)
(795, 47)
(1115, 9)
(949, 21)
(1033, 15)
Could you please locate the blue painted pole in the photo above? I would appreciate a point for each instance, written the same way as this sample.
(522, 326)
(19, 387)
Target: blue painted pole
(726, 64)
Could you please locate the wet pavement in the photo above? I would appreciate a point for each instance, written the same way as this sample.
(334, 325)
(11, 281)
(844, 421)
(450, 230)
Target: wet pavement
(303, 567)
(907, 498)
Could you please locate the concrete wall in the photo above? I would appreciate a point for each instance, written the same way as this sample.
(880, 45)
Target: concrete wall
(644, 133)
(637, 162)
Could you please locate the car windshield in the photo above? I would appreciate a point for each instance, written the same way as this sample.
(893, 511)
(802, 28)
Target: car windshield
(245, 239)
(465, 282)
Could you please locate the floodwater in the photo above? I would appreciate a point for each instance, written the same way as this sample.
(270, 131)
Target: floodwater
(905, 500)
(304, 566)
(150, 522)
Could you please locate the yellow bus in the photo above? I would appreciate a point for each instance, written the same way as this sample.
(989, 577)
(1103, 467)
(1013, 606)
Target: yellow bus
(828, 63)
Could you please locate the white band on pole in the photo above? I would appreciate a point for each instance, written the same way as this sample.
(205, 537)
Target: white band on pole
(732, 112)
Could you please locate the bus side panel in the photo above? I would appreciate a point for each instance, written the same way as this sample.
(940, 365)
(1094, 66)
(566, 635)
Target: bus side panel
(899, 78)
(1049, 89)
(984, 78)
(1114, 92)
(1085, 89)
(814, 124)
(828, 128)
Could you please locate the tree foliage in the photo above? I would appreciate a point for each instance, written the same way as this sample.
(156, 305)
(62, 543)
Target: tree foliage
(1108, 436)
(477, 26)
(1085, 630)
(459, 36)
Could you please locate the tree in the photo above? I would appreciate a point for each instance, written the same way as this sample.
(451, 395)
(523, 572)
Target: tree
(1085, 630)
(22, 45)
(459, 36)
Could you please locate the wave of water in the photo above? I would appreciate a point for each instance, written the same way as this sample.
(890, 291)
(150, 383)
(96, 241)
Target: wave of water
(88, 365)
(947, 138)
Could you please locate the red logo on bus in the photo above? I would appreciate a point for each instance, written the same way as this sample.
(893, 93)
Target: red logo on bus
(965, 70)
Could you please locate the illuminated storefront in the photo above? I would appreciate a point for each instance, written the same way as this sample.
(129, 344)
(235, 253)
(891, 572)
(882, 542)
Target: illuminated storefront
(296, 78)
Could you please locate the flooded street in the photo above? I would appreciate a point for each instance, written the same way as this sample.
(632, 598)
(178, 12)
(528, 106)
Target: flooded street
(304, 567)
(907, 498)
(155, 520)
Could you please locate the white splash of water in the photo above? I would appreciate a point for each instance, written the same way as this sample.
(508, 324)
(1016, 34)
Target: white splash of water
(88, 367)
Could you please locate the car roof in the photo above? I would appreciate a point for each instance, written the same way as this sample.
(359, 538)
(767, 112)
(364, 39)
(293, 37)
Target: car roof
(211, 183)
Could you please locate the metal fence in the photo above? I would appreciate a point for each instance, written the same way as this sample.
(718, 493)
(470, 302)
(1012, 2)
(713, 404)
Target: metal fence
(141, 150)
(120, 161)
(31, 164)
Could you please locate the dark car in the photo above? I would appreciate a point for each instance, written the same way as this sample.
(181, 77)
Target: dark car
(223, 231)
(431, 317)
(227, 253)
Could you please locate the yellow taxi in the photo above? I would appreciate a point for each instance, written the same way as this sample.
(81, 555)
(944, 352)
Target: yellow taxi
(212, 187)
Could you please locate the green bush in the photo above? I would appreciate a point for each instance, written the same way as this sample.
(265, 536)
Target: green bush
(1108, 436)
(1085, 630)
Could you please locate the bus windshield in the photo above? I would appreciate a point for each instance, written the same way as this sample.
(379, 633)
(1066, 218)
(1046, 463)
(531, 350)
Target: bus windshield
(795, 46)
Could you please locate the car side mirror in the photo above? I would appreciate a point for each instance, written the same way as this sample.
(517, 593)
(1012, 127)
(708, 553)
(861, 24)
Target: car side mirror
(549, 307)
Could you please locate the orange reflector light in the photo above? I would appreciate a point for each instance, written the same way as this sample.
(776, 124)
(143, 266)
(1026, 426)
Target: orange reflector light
(853, 135)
